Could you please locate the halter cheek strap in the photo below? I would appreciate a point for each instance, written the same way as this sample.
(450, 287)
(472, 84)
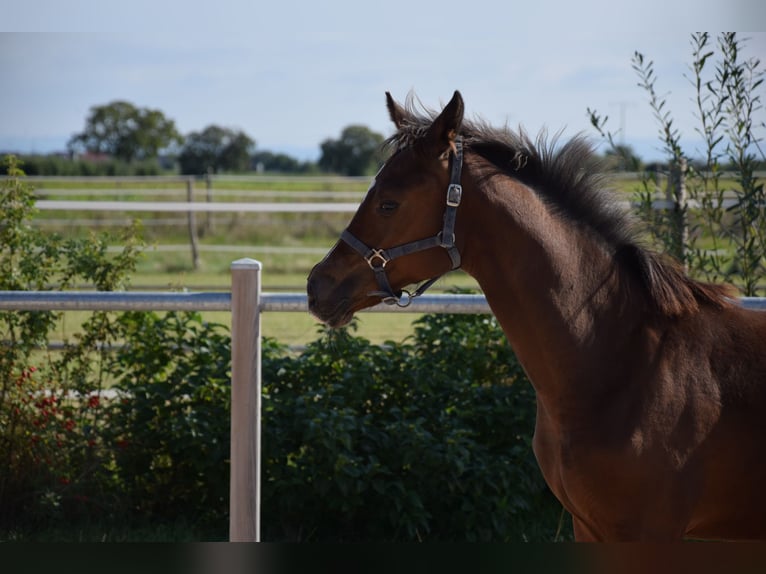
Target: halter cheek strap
(377, 259)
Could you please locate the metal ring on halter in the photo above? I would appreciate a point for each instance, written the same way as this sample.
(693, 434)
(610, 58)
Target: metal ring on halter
(407, 299)
(377, 254)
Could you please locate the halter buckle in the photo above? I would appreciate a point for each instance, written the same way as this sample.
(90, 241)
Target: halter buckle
(454, 194)
(377, 254)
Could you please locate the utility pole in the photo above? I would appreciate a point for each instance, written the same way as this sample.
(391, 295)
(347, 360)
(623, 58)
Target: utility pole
(623, 121)
(624, 105)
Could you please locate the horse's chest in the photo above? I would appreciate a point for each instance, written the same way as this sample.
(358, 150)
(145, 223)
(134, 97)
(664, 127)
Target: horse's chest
(568, 463)
(555, 457)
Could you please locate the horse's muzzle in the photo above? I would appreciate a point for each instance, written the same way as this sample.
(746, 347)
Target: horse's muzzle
(326, 303)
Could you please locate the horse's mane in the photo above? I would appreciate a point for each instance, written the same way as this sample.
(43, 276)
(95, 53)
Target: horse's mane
(569, 179)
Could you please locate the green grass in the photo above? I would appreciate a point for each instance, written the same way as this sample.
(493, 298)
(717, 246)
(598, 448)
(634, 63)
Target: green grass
(291, 328)
(252, 235)
(160, 270)
(295, 329)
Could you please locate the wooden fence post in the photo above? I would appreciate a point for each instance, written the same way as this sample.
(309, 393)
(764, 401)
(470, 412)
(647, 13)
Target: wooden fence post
(208, 197)
(245, 482)
(680, 211)
(192, 223)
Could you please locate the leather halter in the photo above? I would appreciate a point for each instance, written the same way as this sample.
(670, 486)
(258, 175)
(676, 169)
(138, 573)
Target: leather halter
(377, 259)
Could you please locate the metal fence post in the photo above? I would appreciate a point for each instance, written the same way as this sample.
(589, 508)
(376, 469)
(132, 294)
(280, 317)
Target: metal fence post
(245, 481)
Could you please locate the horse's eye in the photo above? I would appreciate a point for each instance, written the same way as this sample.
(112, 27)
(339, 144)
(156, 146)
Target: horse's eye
(387, 207)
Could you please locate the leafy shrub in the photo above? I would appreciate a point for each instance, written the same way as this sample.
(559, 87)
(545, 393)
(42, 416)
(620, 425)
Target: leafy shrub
(51, 410)
(170, 426)
(423, 440)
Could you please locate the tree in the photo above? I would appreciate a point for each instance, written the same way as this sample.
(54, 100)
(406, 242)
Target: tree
(126, 132)
(356, 152)
(216, 148)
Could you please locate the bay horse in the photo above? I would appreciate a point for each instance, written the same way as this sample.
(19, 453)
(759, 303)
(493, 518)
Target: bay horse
(651, 386)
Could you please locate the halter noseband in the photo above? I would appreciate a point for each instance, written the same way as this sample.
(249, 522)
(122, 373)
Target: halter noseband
(377, 259)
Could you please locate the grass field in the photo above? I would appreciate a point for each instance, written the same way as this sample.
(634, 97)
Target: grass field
(292, 328)
(281, 273)
(287, 244)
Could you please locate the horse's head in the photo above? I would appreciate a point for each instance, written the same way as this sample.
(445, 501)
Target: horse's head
(404, 229)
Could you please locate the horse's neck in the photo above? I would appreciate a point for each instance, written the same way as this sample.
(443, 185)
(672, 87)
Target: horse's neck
(553, 288)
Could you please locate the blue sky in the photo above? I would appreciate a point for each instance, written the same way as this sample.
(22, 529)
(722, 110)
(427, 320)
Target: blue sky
(292, 74)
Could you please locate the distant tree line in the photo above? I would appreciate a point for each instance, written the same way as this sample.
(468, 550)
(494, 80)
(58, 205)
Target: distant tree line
(120, 138)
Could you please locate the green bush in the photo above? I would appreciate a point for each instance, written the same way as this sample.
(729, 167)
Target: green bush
(170, 426)
(428, 439)
(423, 440)
(51, 409)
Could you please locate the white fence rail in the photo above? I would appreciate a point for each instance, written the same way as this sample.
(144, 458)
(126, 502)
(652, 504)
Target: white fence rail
(246, 303)
(188, 207)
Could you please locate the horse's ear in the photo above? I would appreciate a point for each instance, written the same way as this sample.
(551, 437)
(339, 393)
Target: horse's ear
(447, 124)
(397, 112)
